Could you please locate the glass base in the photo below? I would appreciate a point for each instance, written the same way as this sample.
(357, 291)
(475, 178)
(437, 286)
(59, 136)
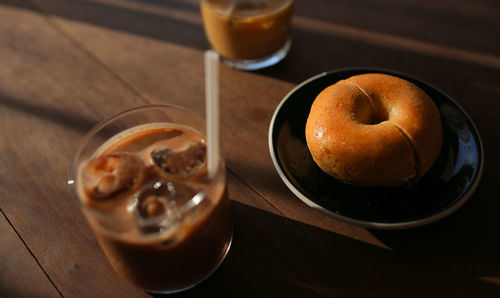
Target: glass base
(256, 64)
(200, 281)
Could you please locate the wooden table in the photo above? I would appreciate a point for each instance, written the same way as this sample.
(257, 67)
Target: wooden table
(65, 65)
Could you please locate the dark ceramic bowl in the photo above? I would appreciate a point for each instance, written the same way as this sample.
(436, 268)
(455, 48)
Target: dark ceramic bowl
(447, 186)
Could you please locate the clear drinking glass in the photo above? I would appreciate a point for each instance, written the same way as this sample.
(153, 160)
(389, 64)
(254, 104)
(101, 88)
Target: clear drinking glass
(248, 34)
(162, 221)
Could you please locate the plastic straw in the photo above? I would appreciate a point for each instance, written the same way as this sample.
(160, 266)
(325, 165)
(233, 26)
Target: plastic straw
(212, 110)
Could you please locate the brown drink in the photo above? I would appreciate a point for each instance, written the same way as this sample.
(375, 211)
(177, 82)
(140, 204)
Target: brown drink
(248, 34)
(162, 222)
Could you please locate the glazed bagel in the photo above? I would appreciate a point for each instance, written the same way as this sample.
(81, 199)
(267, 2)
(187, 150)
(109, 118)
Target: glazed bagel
(374, 130)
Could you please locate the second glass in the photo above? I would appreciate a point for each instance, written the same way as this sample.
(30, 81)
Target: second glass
(248, 34)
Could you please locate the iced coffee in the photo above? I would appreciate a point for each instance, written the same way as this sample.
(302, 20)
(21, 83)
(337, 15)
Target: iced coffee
(248, 33)
(161, 219)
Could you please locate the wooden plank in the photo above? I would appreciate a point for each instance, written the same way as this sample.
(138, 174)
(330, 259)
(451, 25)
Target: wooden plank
(457, 25)
(248, 101)
(249, 112)
(51, 100)
(51, 93)
(144, 63)
(17, 266)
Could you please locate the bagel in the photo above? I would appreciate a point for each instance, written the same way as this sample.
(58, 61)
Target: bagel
(374, 130)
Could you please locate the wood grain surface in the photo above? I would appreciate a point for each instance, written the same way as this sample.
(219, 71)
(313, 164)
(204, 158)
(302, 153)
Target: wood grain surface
(65, 65)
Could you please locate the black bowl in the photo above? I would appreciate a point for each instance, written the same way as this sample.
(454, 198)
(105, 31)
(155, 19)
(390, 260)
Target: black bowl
(447, 186)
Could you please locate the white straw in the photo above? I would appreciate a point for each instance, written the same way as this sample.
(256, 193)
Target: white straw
(212, 110)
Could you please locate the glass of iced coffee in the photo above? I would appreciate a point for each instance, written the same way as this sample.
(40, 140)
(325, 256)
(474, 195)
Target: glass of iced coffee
(248, 34)
(162, 220)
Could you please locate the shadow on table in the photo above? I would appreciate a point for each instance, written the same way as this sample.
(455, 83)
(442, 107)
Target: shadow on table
(157, 19)
(269, 257)
(315, 49)
(473, 86)
(457, 256)
(467, 240)
(70, 120)
(272, 256)
(280, 257)
(178, 22)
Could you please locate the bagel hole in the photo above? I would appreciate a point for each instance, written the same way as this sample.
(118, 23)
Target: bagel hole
(379, 115)
(379, 118)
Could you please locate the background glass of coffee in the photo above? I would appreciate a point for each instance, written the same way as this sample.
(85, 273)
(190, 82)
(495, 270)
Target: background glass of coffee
(141, 176)
(248, 34)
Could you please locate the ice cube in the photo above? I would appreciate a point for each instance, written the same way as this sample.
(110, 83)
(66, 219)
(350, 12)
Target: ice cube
(160, 200)
(106, 175)
(154, 206)
(184, 161)
(154, 199)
